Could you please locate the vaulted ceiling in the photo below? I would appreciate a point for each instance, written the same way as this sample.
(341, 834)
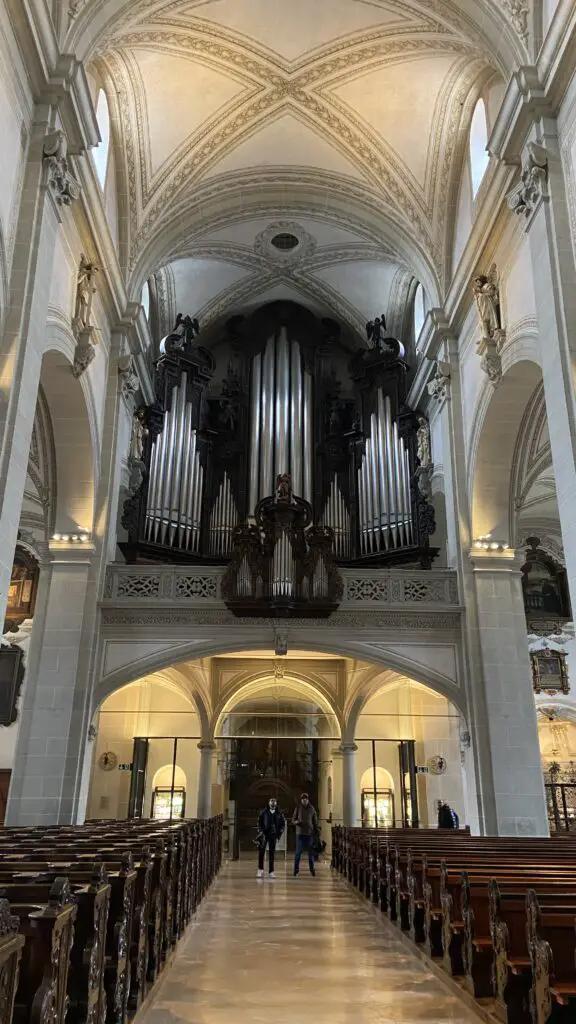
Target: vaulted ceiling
(343, 122)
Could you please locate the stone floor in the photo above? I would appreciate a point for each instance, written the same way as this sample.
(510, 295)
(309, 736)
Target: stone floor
(290, 950)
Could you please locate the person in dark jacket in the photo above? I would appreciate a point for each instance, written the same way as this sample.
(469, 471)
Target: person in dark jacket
(306, 821)
(447, 818)
(271, 825)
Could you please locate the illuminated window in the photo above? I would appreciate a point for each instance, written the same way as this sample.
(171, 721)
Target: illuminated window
(145, 300)
(479, 157)
(168, 803)
(419, 310)
(101, 154)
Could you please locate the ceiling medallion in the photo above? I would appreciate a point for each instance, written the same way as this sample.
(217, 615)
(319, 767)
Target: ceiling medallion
(284, 242)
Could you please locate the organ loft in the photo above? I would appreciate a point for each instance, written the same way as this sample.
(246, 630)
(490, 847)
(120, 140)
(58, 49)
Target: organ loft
(282, 448)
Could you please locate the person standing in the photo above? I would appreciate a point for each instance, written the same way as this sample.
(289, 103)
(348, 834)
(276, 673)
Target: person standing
(447, 818)
(271, 824)
(306, 821)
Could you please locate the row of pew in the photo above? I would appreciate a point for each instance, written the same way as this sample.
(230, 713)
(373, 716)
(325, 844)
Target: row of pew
(90, 914)
(497, 914)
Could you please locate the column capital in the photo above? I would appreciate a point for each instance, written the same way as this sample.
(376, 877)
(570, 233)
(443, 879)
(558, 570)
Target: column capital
(488, 562)
(348, 748)
(207, 745)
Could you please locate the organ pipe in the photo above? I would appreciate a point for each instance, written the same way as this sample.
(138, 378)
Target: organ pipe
(175, 483)
(384, 503)
(281, 420)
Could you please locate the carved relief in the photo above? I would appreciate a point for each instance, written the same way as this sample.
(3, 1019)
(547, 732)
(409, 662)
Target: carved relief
(524, 199)
(60, 179)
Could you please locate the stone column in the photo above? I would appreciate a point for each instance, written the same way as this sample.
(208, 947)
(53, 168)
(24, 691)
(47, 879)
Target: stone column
(349, 801)
(49, 188)
(540, 199)
(512, 732)
(204, 808)
(42, 772)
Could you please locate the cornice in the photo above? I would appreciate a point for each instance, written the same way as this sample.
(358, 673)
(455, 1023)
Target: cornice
(524, 100)
(55, 78)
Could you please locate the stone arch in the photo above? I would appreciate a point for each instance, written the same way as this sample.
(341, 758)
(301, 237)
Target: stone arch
(367, 692)
(170, 682)
(493, 448)
(75, 442)
(306, 685)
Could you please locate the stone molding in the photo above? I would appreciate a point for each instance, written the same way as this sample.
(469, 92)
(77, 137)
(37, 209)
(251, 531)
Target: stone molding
(397, 621)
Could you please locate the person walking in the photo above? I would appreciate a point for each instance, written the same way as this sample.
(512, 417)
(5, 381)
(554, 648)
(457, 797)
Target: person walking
(271, 824)
(306, 821)
(447, 818)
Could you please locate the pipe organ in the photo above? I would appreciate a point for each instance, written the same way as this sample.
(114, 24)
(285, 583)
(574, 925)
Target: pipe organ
(279, 396)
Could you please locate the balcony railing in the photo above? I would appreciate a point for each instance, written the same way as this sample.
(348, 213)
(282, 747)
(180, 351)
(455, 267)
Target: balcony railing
(200, 586)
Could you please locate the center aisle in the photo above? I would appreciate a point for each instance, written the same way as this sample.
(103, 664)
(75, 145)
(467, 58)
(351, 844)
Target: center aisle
(289, 951)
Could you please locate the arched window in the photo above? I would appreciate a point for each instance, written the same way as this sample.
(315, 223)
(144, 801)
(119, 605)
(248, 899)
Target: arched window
(145, 300)
(419, 310)
(102, 153)
(479, 157)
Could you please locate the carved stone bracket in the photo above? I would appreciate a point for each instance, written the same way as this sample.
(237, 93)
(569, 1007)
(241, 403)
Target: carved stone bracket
(439, 386)
(525, 197)
(84, 352)
(60, 179)
(490, 362)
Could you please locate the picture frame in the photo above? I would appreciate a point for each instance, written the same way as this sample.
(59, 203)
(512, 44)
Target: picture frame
(549, 672)
(11, 678)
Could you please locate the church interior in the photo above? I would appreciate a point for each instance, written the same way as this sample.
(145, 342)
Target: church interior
(287, 489)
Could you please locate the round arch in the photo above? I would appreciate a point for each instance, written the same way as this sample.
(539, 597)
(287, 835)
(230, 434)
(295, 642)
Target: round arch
(75, 441)
(258, 684)
(493, 448)
(170, 683)
(373, 653)
(367, 693)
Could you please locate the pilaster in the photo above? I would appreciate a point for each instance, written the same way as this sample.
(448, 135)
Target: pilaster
(512, 732)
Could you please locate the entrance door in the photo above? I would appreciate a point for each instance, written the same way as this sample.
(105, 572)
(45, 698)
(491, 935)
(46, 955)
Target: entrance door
(265, 767)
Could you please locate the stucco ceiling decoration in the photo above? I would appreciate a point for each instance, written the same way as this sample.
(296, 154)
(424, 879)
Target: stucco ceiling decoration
(336, 104)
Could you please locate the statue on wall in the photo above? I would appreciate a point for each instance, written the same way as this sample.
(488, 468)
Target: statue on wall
(376, 332)
(423, 449)
(487, 297)
(85, 291)
(136, 463)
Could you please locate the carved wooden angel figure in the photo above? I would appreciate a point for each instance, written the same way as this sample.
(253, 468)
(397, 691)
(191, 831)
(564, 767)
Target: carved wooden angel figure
(487, 296)
(283, 487)
(85, 291)
(376, 332)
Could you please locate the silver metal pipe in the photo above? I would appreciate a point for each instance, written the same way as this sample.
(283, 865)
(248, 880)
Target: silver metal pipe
(182, 522)
(361, 509)
(197, 503)
(408, 497)
(255, 406)
(396, 475)
(151, 485)
(168, 466)
(296, 430)
(308, 452)
(191, 490)
(282, 447)
(157, 498)
(368, 490)
(390, 476)
(339, 518)
(177, 462)
(267, 422)
(382, 474)
(374, 480)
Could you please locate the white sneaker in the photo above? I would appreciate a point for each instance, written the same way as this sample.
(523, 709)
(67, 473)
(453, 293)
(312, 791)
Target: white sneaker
(272, 874)
(259, 873)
